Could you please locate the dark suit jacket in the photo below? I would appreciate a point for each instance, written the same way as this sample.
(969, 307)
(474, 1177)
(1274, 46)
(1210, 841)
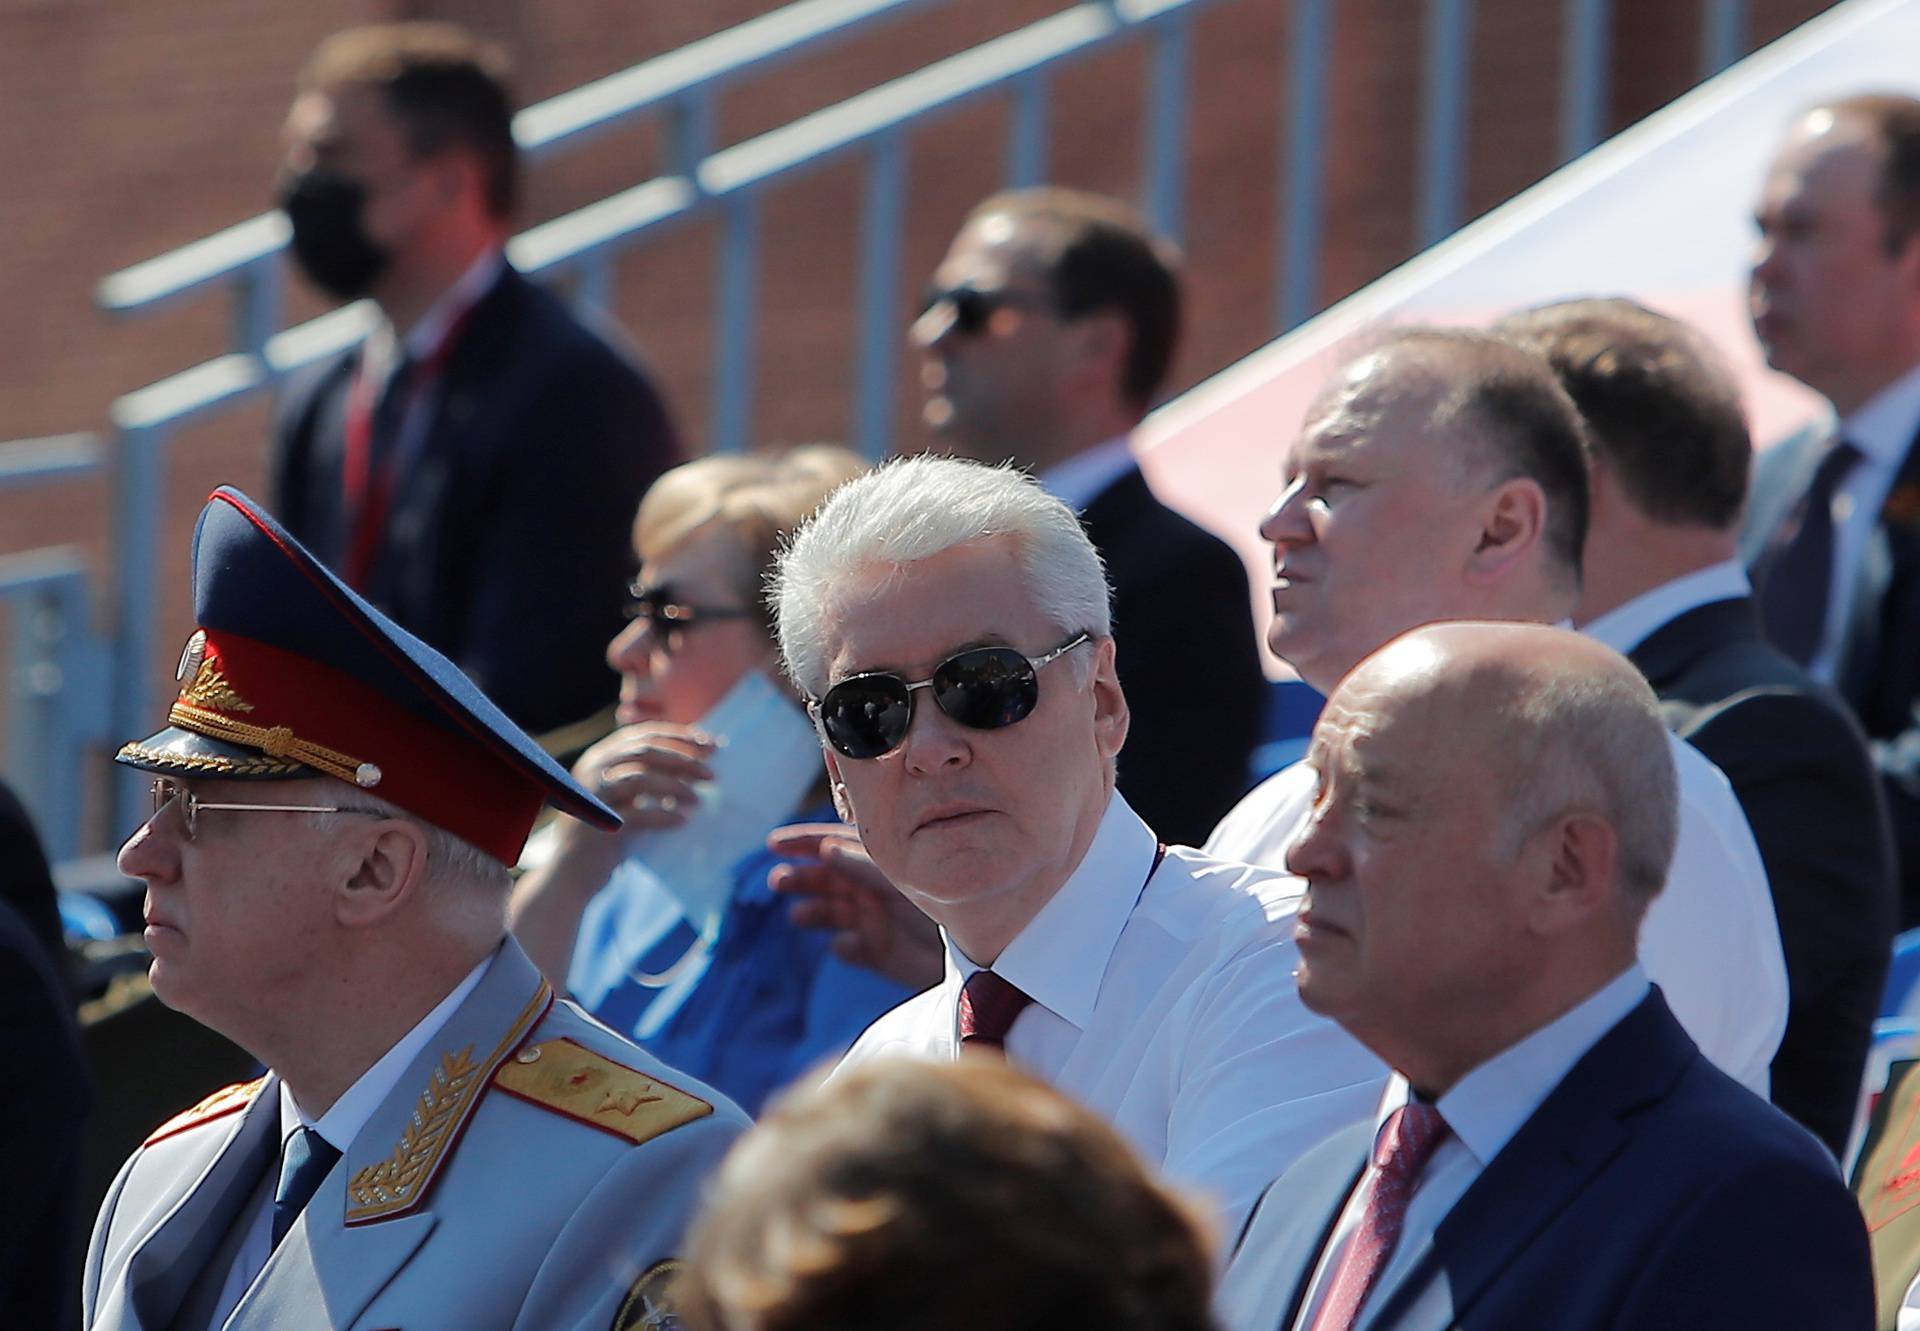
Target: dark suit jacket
(508, 543)
(1188, 660)
(1879, 665)
(1799, 767)
(1649, 1192)
(43, 1117)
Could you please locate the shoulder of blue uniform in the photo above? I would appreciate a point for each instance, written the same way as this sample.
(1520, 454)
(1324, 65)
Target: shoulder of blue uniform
(553, 1058)
(223, 1103)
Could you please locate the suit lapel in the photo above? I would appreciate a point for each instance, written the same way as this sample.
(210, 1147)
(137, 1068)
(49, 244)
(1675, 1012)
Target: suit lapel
(1273, 1262)
(1778, 488)
(1671, 650)
(1556, 1154)
(167, 1262)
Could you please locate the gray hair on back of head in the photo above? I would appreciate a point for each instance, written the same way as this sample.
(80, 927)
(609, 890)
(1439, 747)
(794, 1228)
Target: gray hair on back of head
(1596, 741)
(909, 510)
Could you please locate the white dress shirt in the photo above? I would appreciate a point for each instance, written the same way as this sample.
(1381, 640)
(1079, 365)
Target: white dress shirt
(1881, 429)
(1483, 1112)
(1079, 480)
(338, 1127)
(1710, 939)
(1631, 623)
(1164, 1000)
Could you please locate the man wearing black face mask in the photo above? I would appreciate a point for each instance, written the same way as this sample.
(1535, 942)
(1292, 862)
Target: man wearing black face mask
(472, 468)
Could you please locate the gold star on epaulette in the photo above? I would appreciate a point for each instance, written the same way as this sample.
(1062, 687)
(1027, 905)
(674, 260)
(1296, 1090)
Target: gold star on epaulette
(589, 1088)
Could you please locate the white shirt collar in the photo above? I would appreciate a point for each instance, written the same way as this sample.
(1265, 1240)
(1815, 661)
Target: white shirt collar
(1060, 958)
(1079, 480)
(1490, 1104)
(1884, 426)
(425, 337)
(342, 1123)
(1631, 623)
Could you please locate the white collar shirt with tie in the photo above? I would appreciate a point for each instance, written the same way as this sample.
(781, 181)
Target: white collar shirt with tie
(1483, 1111)
(337, 1127)
(1881, 429)
(1163, 999)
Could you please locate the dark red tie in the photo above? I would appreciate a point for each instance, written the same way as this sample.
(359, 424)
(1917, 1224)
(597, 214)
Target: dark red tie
(988, 1006)
(1400, 1152)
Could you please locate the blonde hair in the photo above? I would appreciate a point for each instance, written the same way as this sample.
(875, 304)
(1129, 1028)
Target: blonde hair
(758, 498)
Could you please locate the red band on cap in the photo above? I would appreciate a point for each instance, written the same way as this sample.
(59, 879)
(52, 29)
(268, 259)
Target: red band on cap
(428, 770)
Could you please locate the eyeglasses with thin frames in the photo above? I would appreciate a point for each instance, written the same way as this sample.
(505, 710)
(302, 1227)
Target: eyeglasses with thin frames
(669, 618)
(166, 791)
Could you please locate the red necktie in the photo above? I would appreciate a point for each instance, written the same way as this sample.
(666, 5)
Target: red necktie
(1400, 1152)
(988, 1006)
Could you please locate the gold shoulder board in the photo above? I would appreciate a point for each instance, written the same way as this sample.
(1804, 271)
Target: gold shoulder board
(573, 1080)
(227, 1100)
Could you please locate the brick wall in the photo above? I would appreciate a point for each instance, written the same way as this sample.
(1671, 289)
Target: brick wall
(133, 128)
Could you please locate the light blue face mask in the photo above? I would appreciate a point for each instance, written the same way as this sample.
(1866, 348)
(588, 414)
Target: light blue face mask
(767, 759)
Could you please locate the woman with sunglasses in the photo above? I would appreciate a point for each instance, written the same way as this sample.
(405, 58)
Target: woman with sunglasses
(666, 930)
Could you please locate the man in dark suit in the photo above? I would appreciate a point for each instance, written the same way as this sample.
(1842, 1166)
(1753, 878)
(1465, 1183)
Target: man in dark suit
(1833, 527)
(1670, 461)
(1496, 808)
(1050, 327)
(474, 467)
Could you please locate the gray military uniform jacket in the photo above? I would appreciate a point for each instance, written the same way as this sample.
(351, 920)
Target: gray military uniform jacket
(531, 1170)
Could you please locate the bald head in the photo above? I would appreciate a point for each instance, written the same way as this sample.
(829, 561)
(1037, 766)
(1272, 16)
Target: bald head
(1560, 721)
(1497, 806)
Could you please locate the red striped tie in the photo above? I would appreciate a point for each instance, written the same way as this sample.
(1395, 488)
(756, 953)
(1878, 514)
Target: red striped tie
(1400, 1152)
(988, 1006)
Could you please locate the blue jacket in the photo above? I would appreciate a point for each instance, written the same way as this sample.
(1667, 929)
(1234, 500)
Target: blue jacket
(772, 1001)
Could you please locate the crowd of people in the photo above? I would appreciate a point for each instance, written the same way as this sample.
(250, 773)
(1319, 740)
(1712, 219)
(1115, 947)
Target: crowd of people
(1538, 994)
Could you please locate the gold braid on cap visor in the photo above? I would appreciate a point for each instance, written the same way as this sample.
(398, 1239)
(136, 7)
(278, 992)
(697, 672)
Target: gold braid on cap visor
(275, 742)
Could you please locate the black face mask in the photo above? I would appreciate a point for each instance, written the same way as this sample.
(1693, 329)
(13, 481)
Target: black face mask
(329, 242)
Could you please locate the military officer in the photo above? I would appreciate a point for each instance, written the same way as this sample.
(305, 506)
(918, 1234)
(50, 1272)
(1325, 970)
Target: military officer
(438, 1139)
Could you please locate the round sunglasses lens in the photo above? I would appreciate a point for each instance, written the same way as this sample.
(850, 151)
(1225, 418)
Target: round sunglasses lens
(864, 718)
(986, 689)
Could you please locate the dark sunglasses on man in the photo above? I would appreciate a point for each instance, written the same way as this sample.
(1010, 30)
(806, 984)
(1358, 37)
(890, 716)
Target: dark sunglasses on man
(983, 688)
(973, 307)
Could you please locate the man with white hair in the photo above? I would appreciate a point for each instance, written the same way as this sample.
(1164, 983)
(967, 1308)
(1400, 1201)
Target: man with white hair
(1442, 474)
(948, 624)
(1493, 811)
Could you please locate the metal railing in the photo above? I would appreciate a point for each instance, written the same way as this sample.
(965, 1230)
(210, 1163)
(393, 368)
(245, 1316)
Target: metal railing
(729, 184)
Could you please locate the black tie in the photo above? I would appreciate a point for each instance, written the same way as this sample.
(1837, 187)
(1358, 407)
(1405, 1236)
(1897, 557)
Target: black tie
(1795, 573)
(306, 1160)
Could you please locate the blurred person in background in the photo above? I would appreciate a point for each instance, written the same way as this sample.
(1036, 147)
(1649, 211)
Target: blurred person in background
(666, 930)
(43, 1109)
(472, 466)
(935, 1198)
(1663, 584)
(1047, 333)
(1832, 537)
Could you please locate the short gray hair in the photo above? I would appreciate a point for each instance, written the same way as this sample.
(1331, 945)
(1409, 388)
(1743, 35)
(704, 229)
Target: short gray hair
(452, 861)
(910, 510)
(1593, 740)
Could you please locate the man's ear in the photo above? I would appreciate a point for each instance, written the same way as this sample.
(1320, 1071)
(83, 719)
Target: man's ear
(1111, 717)
(1513, 523)
(1582, 853)
(391, 866)
(1102, 340)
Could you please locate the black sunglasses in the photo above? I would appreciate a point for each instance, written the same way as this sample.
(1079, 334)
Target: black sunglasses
(657, 606)
(985, 688)
(972, 307)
